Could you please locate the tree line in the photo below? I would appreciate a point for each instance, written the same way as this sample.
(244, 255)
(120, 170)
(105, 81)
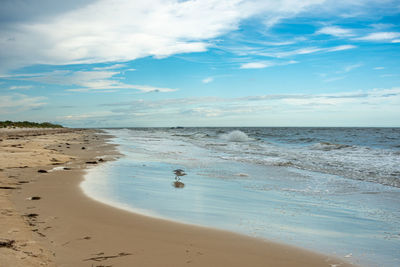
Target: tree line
(28, 124)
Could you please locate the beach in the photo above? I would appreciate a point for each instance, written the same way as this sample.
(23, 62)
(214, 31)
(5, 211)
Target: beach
(330, 190)
(47, 220)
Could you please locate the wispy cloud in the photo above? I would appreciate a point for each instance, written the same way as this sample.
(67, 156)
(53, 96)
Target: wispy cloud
(303, 51)
(341, 48)
(254, 65)
(339, 74)
(19, 102)
(208, 80)
(85, 116)
(148, 88)
(87, 80)
(112, 67)
(389, 75)
(221, 107)
(379, 36)
(127, 30)
(20, 87)
(335, 31)
(265, 64)
(351, 67)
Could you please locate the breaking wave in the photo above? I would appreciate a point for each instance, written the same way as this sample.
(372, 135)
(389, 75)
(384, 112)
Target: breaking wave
(326, 146)
(235, 136)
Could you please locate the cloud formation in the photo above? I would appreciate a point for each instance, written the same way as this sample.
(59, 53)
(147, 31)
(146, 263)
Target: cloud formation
(122, 30)
(100, 79)
(20, 87)
(222, 111)
(265, 64)
(335, 31)
(208, 80)
(254, 65)
(19, 102)
(380, 36)
(94, 31)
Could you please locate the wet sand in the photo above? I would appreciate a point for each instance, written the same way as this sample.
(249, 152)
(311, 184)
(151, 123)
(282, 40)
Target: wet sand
(63, 227)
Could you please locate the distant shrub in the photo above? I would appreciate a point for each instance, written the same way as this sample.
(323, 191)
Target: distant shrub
(28, 124)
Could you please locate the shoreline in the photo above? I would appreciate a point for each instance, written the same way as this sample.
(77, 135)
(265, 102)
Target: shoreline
(71, 229)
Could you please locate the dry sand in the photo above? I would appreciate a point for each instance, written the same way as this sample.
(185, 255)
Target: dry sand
(66, 228)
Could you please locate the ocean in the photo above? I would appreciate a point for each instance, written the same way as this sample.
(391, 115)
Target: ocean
(331, 190)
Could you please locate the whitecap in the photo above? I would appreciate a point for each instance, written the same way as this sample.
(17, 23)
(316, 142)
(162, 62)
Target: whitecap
(235, 136)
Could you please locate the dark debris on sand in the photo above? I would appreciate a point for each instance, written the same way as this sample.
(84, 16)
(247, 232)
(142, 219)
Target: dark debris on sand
(7, 243)
(8, 187)
(102, 258)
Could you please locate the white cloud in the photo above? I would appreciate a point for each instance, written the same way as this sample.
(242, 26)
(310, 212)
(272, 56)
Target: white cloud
(335, 31)
(341, 48)
(351, 67)
(205, 111)
(388, 75)
(254, 65)
(265, 64)
(123, 30)
(78, 117)
(301, 51)
(379, 68)
(20, 87)
(207, 80)
(341, 73)
(112, 67)
(88, 80)
(380, 36)
(304, 51)
(105, 31)
(282, 53)
(19, 102)
(147, 88)
(396, 41)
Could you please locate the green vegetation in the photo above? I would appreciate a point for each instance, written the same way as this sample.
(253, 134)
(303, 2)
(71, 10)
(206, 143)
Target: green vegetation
(28, 124)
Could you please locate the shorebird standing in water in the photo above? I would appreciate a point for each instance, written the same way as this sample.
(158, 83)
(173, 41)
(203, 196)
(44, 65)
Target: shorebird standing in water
(178, 174)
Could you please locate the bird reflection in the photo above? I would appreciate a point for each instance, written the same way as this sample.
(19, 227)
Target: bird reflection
(178, 174)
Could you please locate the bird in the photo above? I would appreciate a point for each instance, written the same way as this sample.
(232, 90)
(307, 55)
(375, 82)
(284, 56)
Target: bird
(179, 173)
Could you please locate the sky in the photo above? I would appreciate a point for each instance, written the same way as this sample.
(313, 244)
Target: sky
(164, 63)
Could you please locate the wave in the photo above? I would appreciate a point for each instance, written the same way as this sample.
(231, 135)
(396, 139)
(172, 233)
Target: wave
(326, 146)
(344, 156)
(235, 136)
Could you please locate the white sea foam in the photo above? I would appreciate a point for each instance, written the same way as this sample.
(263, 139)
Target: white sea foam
(358, 154)
(235, 136)
(58, 168)
(326, 146)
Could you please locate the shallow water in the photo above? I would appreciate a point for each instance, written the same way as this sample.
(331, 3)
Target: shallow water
(267, 183)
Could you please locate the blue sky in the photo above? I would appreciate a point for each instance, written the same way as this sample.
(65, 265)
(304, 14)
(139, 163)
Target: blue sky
(91, 63)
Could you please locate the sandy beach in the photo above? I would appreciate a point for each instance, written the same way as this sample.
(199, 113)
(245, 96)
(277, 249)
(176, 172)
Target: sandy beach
(46, 220)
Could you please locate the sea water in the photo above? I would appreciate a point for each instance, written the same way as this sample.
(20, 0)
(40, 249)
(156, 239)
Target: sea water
(333, 190)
